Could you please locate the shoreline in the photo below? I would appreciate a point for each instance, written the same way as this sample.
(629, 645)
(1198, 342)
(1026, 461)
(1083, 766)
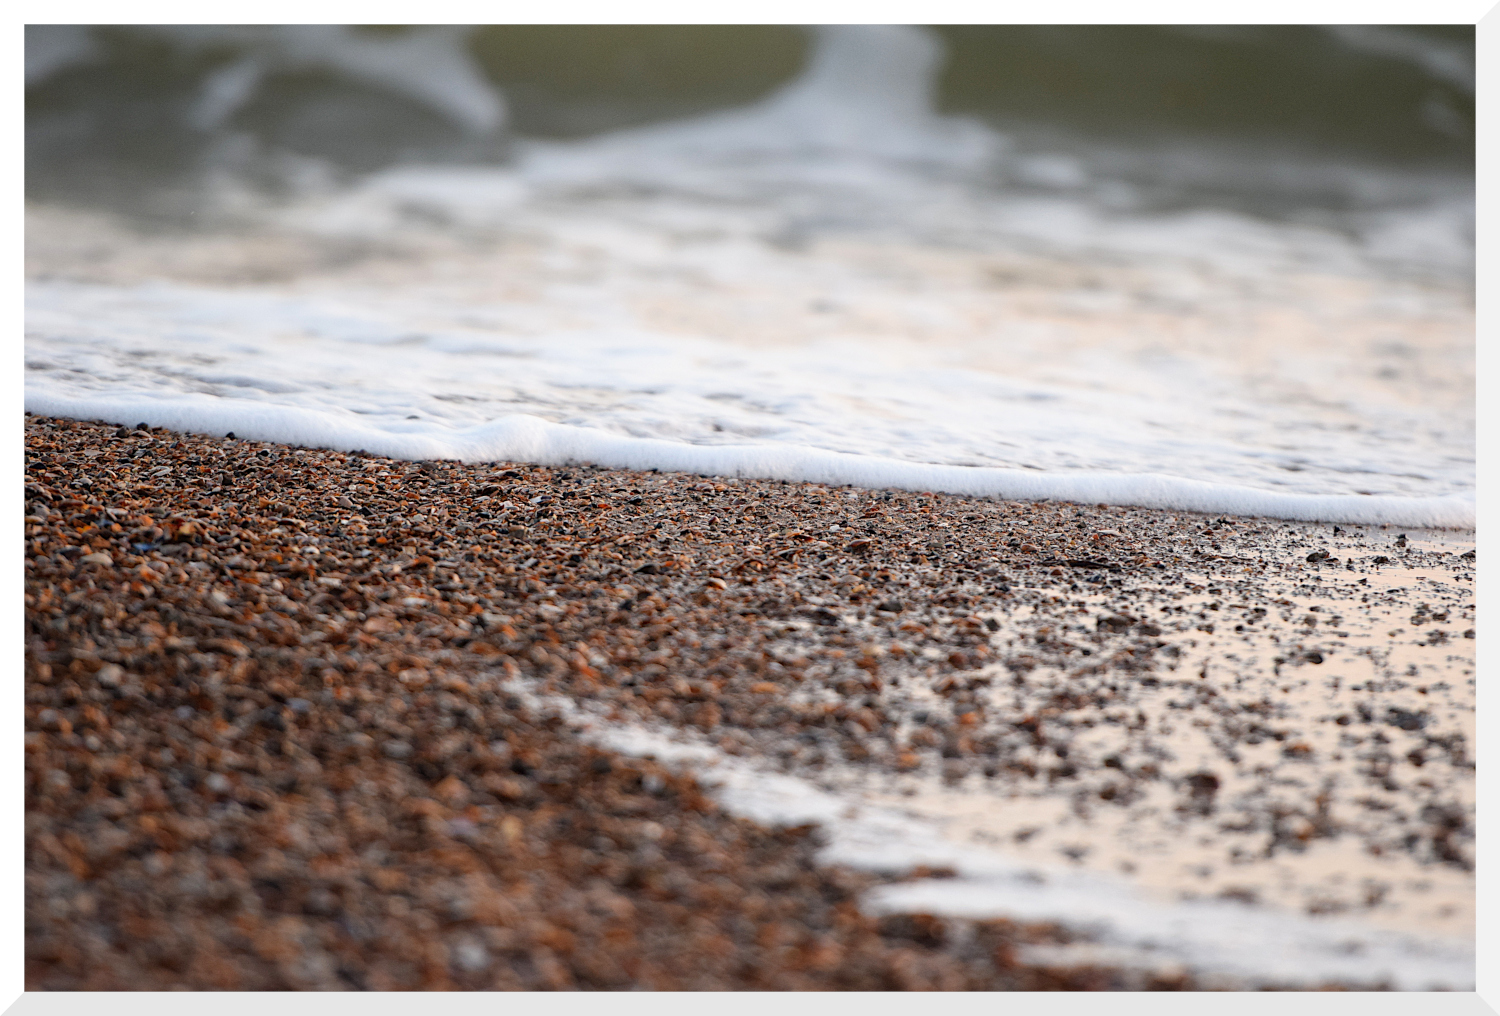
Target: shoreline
(267, 623)
(531, 439)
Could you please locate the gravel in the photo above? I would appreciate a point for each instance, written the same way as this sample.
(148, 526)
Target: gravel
(275, 740)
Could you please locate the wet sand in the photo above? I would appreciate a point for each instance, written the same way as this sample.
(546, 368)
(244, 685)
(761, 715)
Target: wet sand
(274, 737)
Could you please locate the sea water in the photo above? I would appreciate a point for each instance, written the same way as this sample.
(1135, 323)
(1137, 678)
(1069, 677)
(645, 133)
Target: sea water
(834, 283)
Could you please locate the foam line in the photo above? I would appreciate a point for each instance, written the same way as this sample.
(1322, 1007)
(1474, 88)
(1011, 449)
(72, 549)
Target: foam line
(524, 438)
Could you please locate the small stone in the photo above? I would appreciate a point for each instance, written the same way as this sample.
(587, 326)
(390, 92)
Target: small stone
(452, 791)
(470, 956)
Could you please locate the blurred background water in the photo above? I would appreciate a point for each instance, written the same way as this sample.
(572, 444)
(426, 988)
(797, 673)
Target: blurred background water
(1276, 120)
(1234, 254)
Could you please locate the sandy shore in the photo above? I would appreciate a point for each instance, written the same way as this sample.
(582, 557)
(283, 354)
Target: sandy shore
(275, 739)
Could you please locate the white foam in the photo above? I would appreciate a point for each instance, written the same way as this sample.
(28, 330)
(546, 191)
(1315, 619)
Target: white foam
(522, 438)
(576, 376)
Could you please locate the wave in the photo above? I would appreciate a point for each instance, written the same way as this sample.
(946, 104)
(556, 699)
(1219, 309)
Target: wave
(1219, 117)
(867, 92)
(856, 142)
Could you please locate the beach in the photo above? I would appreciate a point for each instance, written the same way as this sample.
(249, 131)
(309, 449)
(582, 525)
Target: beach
(750, 507)
(300, 718)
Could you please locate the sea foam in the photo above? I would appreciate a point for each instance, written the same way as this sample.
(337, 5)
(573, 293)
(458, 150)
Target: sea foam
(522, 438)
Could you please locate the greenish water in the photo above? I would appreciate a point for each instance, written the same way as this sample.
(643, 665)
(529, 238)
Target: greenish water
(116, 114)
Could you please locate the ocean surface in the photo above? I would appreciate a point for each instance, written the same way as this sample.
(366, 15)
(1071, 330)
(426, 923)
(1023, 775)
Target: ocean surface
(1241, 281)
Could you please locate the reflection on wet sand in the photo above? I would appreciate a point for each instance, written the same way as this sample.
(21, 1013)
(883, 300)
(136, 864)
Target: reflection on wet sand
(1305, 744)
